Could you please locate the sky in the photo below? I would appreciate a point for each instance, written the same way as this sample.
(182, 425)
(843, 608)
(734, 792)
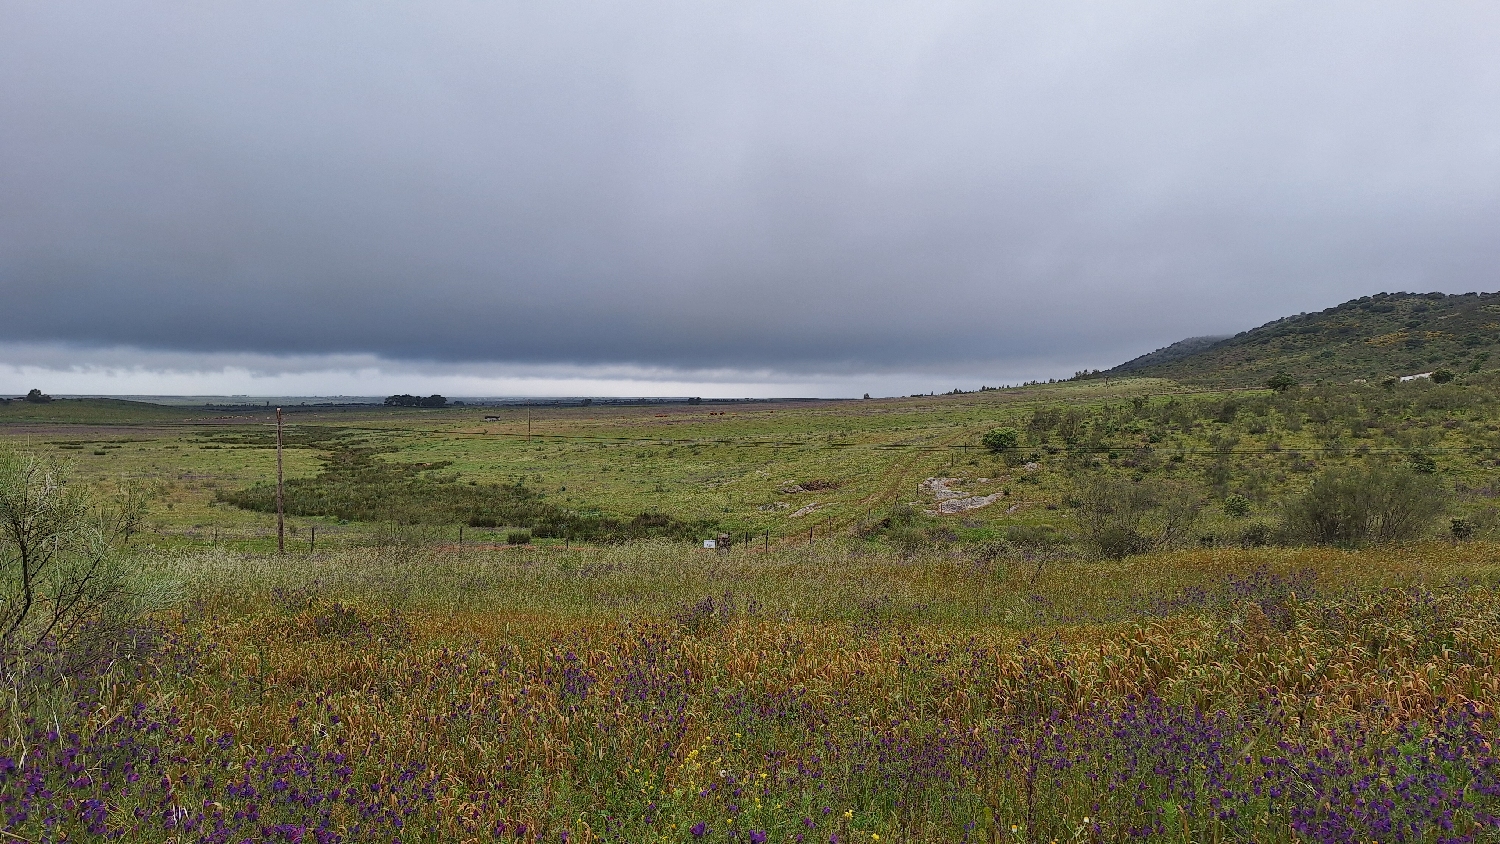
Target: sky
(716, 199)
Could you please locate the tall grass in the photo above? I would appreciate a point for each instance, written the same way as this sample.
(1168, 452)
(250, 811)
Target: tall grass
(650, 693)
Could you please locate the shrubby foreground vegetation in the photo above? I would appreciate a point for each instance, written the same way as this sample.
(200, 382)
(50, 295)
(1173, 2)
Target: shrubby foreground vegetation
(643, 694)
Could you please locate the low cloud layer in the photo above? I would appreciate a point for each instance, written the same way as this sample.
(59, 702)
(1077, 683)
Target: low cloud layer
(125, 371)
(817, 195)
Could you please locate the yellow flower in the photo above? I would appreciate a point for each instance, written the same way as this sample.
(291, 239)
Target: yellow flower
(875, 836)
(848, 813)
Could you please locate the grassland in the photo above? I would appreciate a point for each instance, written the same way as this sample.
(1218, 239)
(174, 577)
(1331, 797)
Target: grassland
(788, 469)
(982, 676)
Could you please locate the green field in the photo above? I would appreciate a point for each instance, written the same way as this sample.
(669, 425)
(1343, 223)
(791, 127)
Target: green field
(791, 468)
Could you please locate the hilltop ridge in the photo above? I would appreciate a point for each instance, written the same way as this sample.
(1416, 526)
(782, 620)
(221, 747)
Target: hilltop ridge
(1369, 337)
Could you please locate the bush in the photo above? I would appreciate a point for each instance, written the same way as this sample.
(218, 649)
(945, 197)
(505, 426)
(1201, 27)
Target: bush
(1442, 376)
(1002, 439)
(1281, 382)
(1237, 506)
(1119, 518)
(1256, 535)
(518, 537)
(62, 589)
(1354, 506)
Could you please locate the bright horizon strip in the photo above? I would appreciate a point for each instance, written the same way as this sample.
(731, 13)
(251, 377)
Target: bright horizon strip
(124, 371)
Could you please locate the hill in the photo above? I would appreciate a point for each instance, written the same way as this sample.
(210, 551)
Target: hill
(1167, 354)
(91, 412)
(1370, 337)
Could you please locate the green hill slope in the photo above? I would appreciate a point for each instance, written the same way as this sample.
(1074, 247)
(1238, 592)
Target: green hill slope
(1370, 337)
(92, 412)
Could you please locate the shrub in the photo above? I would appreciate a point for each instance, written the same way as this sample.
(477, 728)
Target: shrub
(1442, 376)
(518, 537)
(1237, 506)
(1281, 382)
(1119, 518)
(1256, 535)
(1002, 439)
(1461, 529)
(61, 586)
(1357, 505)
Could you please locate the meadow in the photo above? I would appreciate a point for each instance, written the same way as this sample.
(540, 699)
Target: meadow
(902, 675)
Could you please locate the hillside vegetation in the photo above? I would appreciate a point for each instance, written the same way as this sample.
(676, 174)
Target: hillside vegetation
(1372, 337)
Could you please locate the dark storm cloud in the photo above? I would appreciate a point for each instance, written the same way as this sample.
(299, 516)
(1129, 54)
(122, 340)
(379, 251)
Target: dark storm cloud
(800, 187)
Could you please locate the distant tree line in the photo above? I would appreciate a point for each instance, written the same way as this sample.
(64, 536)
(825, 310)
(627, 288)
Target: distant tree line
(405, 400)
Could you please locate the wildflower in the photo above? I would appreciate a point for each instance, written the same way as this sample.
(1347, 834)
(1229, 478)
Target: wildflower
(757, 837)
(699, 829)
(849, 813)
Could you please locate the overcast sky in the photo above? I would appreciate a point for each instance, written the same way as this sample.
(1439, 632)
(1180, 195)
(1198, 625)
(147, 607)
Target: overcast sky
(715, 198)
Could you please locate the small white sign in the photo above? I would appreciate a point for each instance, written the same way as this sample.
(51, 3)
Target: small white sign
(709, 543)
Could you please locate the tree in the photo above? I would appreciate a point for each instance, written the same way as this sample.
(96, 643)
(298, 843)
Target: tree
(37, 397)
(1281, 381)
(58, 569)
(1442, 376)
(408, 400)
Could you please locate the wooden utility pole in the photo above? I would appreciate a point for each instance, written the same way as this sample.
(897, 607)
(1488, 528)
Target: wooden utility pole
(280, 509)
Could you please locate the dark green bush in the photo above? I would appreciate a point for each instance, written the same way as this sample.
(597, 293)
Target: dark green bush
(1002, 439)
(1281, 382)
(518, 537)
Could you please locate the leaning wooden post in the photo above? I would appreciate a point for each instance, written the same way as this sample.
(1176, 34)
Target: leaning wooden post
(280, 509)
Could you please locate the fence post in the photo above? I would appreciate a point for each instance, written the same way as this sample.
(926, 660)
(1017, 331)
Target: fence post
(280, 511)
